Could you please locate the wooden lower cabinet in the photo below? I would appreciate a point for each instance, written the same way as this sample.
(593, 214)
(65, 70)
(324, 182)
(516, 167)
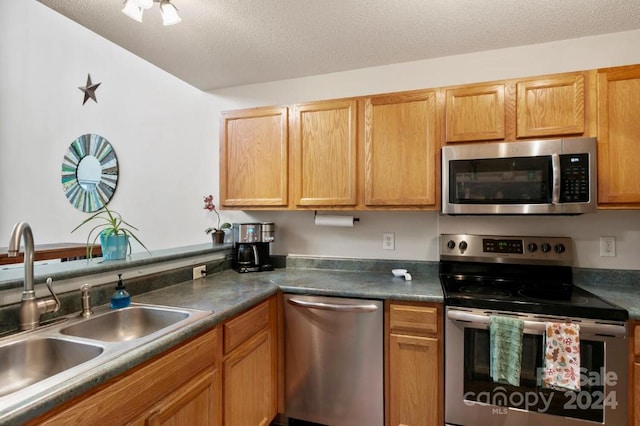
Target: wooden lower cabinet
(634, 373)
(414, 374)
(414, 364)
(636, 393)
(179, 384)
(250, 380)
(226, 376)
(250, 397)
(195, 403)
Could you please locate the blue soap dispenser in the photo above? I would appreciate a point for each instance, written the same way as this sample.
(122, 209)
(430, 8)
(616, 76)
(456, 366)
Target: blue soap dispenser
(120, 298)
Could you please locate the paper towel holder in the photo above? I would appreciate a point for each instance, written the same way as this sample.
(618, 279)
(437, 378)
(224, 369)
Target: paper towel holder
(315, 213)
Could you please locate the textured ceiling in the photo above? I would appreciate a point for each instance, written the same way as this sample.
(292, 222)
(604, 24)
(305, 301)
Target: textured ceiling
(224, 43)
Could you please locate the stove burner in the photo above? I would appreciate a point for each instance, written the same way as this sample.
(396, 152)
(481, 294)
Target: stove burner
(484, 291)
(574, 300)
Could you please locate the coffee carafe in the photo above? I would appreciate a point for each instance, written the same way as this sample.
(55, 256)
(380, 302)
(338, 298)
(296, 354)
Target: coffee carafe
(251, 246)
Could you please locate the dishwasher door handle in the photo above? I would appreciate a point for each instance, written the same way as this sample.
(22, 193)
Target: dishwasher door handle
(334, 306)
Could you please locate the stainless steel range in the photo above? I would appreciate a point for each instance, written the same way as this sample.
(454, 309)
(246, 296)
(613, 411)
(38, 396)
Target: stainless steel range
(528, 279)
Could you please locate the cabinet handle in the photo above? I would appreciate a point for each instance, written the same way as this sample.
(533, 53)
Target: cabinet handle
(333, 306)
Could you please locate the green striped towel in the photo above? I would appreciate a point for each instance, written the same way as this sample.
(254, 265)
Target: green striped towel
(505, 340)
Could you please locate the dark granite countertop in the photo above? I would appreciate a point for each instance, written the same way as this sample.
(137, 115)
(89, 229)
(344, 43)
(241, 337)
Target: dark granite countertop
(620, 287)
(222, 296)
(229, 289)
(228, 293)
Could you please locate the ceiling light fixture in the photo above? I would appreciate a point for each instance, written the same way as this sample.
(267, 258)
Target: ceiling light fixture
(169, 13)
(134, 9)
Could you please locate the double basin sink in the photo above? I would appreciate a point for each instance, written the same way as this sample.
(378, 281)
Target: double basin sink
(34, 363)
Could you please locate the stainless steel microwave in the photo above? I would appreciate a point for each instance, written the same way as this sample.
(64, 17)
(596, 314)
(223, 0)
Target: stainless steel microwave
(531, 177)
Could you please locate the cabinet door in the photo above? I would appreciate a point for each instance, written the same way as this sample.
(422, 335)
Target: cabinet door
(619, 137)
(413, 384)
(636, 394)
(401, 150)
(253, 157)
(323, 153)
(250, 384)
(195, 403)
(551, 106)
(475, 113)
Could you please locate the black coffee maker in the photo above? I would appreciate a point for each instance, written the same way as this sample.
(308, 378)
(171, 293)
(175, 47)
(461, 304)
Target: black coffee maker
(251, 246)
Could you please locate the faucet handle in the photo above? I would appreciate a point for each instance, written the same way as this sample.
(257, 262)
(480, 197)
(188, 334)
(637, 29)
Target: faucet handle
(86, 300)
(56, 307)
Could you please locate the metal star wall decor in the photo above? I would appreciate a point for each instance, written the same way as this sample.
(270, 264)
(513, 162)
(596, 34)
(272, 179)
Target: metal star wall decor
(89, 90)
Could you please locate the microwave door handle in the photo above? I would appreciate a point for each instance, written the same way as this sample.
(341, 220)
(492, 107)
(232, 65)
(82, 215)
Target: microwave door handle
(555, 170)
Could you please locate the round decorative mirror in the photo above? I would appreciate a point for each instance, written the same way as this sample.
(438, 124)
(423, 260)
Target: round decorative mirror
(89, 172)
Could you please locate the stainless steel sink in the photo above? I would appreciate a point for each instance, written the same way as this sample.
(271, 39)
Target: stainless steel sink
(25, 362)
(126, 324)
(44, 362)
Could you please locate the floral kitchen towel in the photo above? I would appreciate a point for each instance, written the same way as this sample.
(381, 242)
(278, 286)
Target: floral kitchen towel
(505, 341)
(562, 356)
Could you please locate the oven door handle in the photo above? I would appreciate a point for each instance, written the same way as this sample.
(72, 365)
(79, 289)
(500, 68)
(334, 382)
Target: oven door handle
(555, 169)
(602, 329)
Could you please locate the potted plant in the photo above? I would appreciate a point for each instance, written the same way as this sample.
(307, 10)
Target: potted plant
(217, 233)
(113, 232)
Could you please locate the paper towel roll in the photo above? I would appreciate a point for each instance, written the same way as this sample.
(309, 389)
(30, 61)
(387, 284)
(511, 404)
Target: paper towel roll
(333, 220)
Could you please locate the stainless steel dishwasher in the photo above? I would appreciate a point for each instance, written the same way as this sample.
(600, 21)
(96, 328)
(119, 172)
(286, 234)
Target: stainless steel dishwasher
(334, 360)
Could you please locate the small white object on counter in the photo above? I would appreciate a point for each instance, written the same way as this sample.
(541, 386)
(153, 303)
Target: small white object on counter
(398, 272)
(407, 276)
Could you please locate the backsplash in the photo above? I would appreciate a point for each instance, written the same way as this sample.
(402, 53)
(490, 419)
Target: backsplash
(609, 279)
(100, 295)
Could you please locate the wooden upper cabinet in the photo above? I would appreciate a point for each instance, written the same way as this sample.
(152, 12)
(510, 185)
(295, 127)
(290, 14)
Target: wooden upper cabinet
(254, 157)
(323, 153)
(619, 137)
(475, 113)
(401, 150)
(551, 106)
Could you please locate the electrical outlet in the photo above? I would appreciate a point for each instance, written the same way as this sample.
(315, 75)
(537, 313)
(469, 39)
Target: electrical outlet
(199, 272)
(389, 241)
(607, 246)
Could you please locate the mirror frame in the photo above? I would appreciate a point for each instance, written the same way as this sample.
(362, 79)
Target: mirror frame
(97, 146)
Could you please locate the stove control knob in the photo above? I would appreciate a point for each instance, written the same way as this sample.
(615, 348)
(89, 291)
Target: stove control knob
(532, 247)
(462, 245)
(545, 247)
(451, 244)
(559, 248)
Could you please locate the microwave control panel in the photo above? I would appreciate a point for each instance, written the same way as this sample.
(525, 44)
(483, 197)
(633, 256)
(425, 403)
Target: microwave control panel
(574, 180)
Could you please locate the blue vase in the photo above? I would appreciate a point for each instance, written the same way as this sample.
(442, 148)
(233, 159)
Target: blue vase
(114, 247)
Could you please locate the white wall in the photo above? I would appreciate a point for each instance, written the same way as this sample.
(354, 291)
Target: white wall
(165, 134)
(160, 127)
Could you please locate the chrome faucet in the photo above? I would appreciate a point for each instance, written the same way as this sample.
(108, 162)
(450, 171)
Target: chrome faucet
(30, 309)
